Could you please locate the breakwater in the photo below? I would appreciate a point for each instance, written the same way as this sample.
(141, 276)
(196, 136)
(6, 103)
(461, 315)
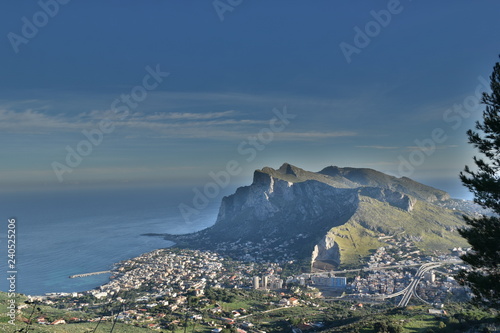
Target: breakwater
(88, 274)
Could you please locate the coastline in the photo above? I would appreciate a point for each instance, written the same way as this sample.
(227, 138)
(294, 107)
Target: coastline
(108, 271)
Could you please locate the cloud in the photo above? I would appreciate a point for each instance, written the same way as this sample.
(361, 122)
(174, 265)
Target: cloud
(157, 116)
(408, 148)
(34, 122)
(222, 125)
(109, 172)
(378, 147)
(191, 116)
(411, 148)
(309, 135)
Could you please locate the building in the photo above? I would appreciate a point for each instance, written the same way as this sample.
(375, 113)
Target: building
(431, 276)
(256, 282)
(338, 282)
(265, 280)
(333, 282)
(276, 284)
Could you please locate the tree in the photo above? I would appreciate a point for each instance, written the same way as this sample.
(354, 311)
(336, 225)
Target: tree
(387, 327)
(483, 233)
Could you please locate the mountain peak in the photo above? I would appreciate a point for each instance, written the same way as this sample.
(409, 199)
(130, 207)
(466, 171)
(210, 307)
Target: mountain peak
(347, 177)
(331, 171)
(287, 169)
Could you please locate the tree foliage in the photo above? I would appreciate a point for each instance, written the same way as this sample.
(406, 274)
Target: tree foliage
(483, 233)
(387, 326)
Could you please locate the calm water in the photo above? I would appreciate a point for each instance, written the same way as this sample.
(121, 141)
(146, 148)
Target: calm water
(65, 233)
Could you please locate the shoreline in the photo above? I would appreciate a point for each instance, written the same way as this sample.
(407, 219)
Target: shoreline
(109, 270)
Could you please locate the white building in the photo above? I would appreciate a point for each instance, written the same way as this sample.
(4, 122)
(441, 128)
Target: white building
(256, 282)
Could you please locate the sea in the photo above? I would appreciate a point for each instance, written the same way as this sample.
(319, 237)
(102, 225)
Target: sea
(68, 232)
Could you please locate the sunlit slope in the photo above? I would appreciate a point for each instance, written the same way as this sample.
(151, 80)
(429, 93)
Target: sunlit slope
(430, 227)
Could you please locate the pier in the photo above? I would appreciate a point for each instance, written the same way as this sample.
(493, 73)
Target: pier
(88, 274)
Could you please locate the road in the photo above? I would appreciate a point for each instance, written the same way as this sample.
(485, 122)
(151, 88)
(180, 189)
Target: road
(367, 269)
(411, 289)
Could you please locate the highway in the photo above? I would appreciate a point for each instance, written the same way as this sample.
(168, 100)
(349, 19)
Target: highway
(411, 289)
(367, 269)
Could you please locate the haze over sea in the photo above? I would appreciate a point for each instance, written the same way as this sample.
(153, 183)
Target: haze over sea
(63, 233)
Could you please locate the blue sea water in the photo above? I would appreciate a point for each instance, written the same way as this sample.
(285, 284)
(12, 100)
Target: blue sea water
(63, 233)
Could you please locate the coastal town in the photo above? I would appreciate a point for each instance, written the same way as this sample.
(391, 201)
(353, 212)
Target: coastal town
(168, 288)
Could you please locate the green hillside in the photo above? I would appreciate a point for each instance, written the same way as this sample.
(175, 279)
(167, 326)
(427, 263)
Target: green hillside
(431, 228)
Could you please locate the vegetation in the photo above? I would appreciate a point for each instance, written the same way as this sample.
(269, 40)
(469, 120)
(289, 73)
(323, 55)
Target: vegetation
(483, 233)
(432, 228)
(260, 309)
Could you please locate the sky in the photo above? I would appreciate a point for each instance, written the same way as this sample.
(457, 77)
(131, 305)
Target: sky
(165, 93)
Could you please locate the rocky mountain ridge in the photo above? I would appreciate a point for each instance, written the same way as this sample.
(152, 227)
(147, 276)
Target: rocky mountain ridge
(291, 213)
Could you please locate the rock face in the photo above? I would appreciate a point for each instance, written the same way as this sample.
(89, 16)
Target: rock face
(326, 253)
(393, 198)
(290, 213)
(272, 207)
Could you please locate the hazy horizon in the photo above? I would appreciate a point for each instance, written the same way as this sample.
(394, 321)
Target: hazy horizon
(162, 93)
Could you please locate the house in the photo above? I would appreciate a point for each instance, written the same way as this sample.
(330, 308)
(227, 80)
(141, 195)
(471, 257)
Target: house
(293, 301)
(284, 302)
(227, 321)
(437, 312)
(58, 322)
(246, 324)
(101, 295)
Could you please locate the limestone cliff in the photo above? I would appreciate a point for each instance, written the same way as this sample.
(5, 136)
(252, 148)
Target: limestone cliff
(328, 217)
(326, 253)
(272, 207)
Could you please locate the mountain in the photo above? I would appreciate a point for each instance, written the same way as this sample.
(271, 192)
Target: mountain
(332, 217)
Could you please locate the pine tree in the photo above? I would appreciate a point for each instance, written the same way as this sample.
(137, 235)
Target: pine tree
(483, 233)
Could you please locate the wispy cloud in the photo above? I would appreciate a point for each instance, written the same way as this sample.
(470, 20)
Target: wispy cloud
(191, 116)
(410, 148)
(378, 147)
(34, 122)
(309, 135)
(157, 116)
(221, 125)
(109, 172)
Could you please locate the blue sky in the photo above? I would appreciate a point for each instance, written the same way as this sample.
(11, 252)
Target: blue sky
(410, 76)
